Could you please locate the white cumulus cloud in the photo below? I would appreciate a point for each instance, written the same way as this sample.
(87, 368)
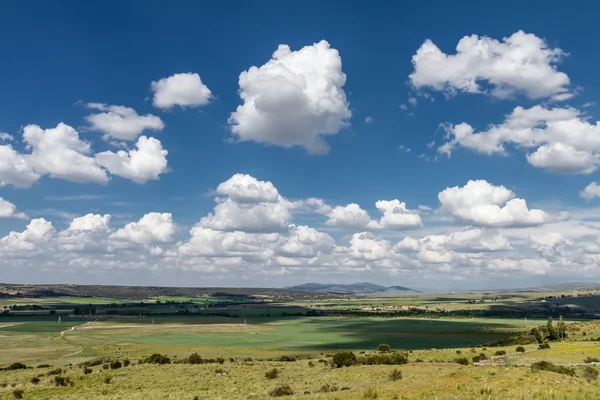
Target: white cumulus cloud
(592, 190)
(9, 210)
(185, 90)
(122, 123)
(151, 228)
(295, 99)
(483, 204)
(520, 64)
(142, 164)
(560, 139)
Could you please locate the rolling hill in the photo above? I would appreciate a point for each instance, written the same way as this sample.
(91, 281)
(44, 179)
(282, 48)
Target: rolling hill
(353, 288)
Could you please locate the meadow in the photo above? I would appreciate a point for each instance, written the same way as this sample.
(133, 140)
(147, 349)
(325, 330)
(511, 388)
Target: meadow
(248, 340)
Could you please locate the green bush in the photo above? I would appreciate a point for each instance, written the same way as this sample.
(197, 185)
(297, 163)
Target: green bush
(272, 374)
(44, 366)
(483, 357)
(18, 393)
(548, 366)
(395, 375)
(590, 373)
(195, 359)
(93, 363)
(344, 359)
(35, 380)
(279, 391)
(286, 358)
(384, 359)
(157, 359)
(476, 359)
(126, 362)
(520, 349)
(500, 353)
(384, 347)
(462, 361)
(62, 381)
(544, 346)
(56, 371)
(16, 365)
(107, 380)
(115, 364)
(590, 360)
(87, 371)
(220, 360)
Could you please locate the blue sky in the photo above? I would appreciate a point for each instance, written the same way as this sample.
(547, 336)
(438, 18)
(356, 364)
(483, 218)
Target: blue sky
(359, 101)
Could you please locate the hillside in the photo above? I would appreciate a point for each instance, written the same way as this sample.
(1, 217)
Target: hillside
(353, 288)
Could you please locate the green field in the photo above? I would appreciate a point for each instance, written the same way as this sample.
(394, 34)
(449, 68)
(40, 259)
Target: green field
(250, 337)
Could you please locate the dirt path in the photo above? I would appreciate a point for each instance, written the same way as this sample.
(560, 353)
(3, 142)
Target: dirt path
(63, 334)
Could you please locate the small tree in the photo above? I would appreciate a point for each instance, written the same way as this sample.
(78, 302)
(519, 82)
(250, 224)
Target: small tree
(344, 359)
(562, 328)
(551, 331)
(384, 347)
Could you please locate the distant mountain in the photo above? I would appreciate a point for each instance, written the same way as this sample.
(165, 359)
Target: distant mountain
(353, 288)
(557, 287)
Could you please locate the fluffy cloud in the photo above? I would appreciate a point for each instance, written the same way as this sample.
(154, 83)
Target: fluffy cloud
(185, 90)
(60, 153)
(151, 228)
(350, 216)
(562, 139)
(395, 215)
(28, 243)
(230, 215)
(90, 222)
(294, 99)
(122, 123)
(520, 64)
(9, 210)
(244, 188)
(141, 165)
(483, 204)
(592, 190)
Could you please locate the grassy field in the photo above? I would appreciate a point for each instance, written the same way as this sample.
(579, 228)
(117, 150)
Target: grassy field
(250, 343)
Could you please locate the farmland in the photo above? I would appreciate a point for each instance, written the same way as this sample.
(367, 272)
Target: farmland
(242, 337)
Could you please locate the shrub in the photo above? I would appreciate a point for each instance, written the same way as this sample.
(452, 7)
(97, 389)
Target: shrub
(35, 380)
(272, 374)
(476, 359)
(483, 357)
(395, 375)
(286, 358)
(500, 353)
(458, 352)
(62, 381)
(157, 359)
(311, 364)
(344, 359)
(279, 391)
(520, 349)
(107, 380)
(115, 364)
(548, 366)
(384, 359)
(16, 365)
(220, 360)
(384, 347)
(194, 359)
(18, 393)
(56, 371)
(327, 388)
(462, 361)
(370, 393)
(87, 371)
(93, 363)
(126, 362)
(219, 371)
(44, 366)
(105, 366)
(590, 373)
(544, 346)
(590, 360)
